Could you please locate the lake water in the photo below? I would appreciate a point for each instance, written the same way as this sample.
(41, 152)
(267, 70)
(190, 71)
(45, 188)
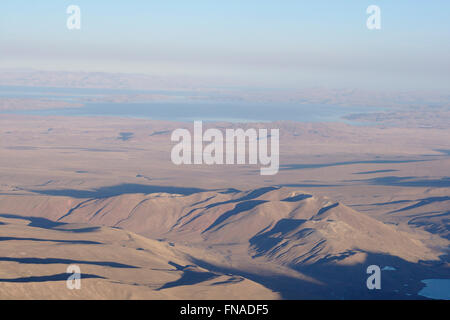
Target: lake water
(436, 289)
(180, 110)
(205, 111)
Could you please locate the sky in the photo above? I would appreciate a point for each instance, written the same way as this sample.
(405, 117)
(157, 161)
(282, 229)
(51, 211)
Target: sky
(262, 43)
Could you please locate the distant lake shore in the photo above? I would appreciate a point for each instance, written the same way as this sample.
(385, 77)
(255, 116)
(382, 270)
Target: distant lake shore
(179, 109)
(205, 111)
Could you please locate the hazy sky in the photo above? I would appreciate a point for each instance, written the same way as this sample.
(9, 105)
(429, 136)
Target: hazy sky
(250, 42)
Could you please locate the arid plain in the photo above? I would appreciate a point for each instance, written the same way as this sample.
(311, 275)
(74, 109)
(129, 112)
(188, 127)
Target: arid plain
(102, 193)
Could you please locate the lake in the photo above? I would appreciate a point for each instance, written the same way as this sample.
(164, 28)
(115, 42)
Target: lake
(436, 289)
(179, 110)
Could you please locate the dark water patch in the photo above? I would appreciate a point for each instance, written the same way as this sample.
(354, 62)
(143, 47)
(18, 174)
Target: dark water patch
(436, 289)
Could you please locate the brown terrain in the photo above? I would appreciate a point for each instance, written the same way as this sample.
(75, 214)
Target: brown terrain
(102, 193)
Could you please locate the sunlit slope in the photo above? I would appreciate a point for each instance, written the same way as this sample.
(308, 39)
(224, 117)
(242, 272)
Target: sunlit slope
(282, 224)
(115, 264)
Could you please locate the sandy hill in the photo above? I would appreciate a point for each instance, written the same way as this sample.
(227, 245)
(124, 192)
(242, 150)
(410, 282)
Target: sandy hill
(281, 238)
(115, 264)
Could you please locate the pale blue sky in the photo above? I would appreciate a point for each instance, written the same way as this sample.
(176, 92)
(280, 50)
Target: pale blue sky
(250, 42)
